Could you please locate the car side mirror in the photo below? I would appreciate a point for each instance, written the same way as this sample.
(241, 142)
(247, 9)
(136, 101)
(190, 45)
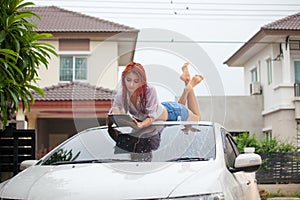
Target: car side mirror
(248, 162)
(27, 163)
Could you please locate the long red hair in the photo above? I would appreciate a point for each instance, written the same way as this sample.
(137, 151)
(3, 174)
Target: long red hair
(138, 69)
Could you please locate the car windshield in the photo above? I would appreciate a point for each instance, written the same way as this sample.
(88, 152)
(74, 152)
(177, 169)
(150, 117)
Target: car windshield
(157, 143)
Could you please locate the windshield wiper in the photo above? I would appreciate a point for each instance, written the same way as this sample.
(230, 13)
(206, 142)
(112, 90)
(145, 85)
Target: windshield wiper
(188, 159)
(89, 161)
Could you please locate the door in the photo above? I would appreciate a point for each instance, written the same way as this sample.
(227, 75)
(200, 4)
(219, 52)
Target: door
(246, 186)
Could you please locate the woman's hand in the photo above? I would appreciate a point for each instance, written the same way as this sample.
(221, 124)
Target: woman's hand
(147, 122)
(138, 124)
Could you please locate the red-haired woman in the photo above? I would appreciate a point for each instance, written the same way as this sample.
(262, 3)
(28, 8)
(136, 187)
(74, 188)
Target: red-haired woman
(140, 99)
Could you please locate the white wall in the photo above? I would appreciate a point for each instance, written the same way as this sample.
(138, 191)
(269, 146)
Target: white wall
(102, 66)
(49, 76)
(283, 125)
(278, 110)
(277, 94)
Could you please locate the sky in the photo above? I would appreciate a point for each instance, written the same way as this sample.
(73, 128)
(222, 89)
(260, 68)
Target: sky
(216, 28)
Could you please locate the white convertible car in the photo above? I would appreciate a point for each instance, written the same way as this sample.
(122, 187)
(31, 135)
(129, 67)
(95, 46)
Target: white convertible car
(168, 160)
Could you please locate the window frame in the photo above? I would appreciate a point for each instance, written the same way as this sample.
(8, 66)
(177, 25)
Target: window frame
(268, 134)
(231, 150)
(254, 75)
(74, 57)
(269, 70)
(295, 71)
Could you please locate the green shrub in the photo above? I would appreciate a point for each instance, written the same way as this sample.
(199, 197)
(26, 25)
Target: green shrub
(265, 145)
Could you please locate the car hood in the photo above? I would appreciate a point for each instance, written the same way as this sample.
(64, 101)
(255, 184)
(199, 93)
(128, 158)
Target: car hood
(114, 181)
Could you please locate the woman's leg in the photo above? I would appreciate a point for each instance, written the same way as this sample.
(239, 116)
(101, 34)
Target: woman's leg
(186, 78)
(188, 96)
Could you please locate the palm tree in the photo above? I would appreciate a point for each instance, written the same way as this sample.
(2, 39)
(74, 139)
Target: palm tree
(21, 54)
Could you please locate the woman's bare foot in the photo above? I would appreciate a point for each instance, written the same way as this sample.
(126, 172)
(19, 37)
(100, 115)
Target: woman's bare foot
(192, 83)
(195, 80)
(186, 74)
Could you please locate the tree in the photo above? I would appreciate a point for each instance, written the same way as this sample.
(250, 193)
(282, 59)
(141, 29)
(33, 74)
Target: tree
(21, 54)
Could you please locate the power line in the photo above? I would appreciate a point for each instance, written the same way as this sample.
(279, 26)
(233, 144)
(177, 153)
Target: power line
(173, 2)
(180, 8)
(191, 42)
(175, 13)
(183, 13)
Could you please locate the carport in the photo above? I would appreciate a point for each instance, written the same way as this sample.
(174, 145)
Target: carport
(64, 110)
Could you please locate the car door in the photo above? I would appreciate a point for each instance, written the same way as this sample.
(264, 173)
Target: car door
(245, 181)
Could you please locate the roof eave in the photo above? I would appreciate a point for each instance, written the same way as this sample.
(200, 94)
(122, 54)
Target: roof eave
(239, 58)
(233, 61)
(84, 34)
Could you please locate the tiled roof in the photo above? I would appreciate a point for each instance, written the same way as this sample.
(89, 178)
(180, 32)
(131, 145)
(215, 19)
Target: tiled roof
(74, 91)
(291, 22)
(280, 28)
(55, 19)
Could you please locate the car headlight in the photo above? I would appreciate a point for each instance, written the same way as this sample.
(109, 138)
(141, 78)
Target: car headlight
(212, 196)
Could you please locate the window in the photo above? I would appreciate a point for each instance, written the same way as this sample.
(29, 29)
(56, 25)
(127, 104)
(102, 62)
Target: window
(269, 68)
(268, 135)
(297, 71)
(73, 68)
(254, 77)
(230, 149)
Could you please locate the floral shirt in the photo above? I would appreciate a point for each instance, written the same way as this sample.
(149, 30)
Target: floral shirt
(153, 107)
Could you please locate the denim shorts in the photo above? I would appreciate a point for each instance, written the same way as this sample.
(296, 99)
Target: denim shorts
(176, 111)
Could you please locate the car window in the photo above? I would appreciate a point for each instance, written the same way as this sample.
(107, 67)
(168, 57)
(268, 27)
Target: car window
(230, 149)
(154, 143)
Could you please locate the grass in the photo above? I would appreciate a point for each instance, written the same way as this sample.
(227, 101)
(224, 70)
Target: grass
(264, 195)
(295, 194)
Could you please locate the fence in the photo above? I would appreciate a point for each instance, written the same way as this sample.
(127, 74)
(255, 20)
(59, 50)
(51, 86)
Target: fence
(15, 147)
(279, 167)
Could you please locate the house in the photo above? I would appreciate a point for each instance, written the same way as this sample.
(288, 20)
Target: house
(271, 62)
(80, 82)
